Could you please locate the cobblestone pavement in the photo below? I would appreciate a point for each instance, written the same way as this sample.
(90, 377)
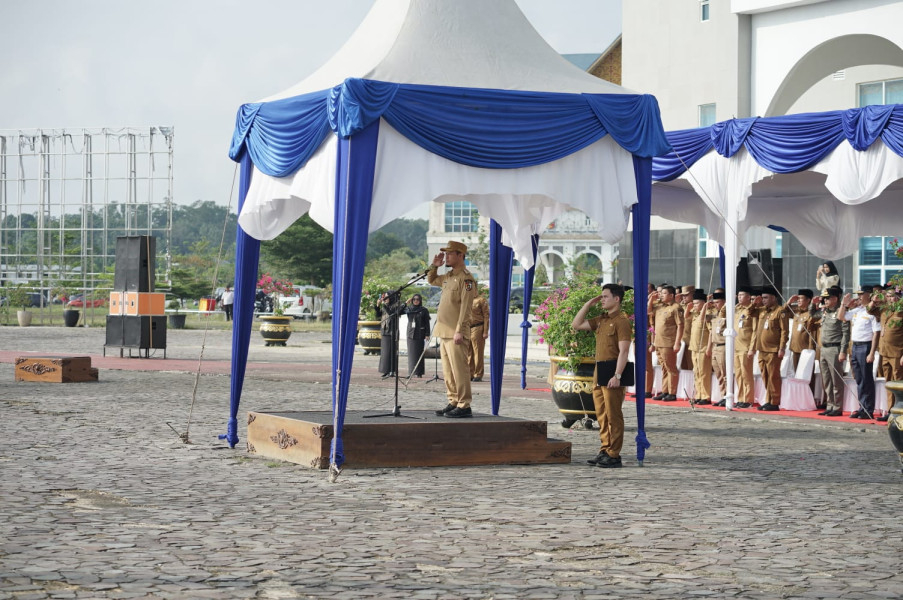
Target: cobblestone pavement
(100, 499)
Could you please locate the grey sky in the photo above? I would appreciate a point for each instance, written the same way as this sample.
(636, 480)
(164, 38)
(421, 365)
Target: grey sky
(191, 63)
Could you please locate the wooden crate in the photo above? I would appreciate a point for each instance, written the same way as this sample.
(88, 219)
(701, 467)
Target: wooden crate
(55, 369)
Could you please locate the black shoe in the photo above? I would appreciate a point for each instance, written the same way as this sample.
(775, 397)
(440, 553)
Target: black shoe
(856, 414)
(720, 403)
(609, 462)
(459, 413)
(770, 407)
(742, 405)
(387, 375)
(602, 454)
(864, 415)
(834, 413)
(669, 398)
(477, 379)
(448, 408)
(824, 413)
(659, 396)
(882, 419)
(704, 402)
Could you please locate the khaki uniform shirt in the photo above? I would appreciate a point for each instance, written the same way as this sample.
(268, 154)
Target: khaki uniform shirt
(891, 341)
(479, 312)
(803, 329)
(609, 330)
(668, 318)
(699, 329)
(745, 325)
(456, 302)
(771, 330)
(833, 330)
(717, 325)
(687, 326)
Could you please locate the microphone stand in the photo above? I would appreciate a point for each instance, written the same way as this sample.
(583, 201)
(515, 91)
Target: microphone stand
(396, 411)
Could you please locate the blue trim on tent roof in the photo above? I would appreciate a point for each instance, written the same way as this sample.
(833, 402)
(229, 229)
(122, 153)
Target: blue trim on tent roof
(496, 129)
(784, 144)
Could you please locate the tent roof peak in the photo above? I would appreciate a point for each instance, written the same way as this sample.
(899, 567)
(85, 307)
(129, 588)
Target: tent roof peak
(465, 43)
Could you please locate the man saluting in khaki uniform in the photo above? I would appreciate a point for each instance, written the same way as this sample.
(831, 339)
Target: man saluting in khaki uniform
(453, 326)
(669, 329)
(770, 341)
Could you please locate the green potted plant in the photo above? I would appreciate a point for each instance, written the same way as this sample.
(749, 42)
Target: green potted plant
(275, 328)
(19, 298)
(177, 318)
(572, 353)
(368, 333)
(70, 315)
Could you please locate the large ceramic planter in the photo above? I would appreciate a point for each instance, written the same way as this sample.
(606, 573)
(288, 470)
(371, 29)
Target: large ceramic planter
(70, 317)
(895, 419)
(275, 329)
(177, 320)
(573, 392)
(369, 336)
(24, 318)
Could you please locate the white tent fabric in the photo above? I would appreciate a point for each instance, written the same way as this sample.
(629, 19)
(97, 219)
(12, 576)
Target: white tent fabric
(407, 41)
(847, 195)
(598, 180)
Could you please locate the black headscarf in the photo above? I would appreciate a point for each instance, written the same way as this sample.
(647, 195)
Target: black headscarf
(832, 270)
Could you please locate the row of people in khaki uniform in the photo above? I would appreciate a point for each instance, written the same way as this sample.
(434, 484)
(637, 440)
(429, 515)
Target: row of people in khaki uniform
(762, 324)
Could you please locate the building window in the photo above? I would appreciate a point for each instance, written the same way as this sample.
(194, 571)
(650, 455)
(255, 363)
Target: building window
(877, 262)
(703, 10)
(881, 92)
(706, 115)
(708, 248)
(461, 217)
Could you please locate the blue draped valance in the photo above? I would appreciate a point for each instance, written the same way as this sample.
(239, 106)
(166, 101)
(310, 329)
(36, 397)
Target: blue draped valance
(784, 144)
(496, 129)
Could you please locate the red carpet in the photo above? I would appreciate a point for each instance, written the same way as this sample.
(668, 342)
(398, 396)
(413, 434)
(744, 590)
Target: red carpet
(805, 414)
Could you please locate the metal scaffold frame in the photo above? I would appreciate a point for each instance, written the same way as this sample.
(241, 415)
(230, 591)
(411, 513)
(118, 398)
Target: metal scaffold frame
(67, 194)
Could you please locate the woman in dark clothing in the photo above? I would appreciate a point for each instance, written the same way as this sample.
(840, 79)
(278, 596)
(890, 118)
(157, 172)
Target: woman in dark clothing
(418, 333)
(387, 309)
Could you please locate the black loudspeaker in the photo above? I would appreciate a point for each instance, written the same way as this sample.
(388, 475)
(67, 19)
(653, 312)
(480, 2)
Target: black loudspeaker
(114, 330)
(759, 269)
(135, 263)
(144, 332)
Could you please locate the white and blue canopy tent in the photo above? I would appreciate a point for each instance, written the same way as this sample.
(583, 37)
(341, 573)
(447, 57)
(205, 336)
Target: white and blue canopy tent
(828, 178)
(442, 101)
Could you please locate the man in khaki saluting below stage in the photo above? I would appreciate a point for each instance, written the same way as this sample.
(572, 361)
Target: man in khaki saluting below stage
(453, 326)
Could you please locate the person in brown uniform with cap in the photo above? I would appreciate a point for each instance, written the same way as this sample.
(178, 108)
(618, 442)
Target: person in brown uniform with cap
(716, 349)
(479, 331)
(803, 329)
(834, 339)
(453, 326)
(697, 317)
(770, 342)
(890, 342)
(669, 329)
(613, 333)
(685, 298)
(745, 315)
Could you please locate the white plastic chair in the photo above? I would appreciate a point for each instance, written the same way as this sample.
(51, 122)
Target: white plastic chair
(686, 383)
(795, 391)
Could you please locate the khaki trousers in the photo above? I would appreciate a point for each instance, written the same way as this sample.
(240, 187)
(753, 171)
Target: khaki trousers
(719, 366)
(702, 375)
(650, 371)
(832, 378)
(608, 402)
(891, 370)
(456, 372)
(743, 371)
(475, 351)
(667, 358)
(770, 365)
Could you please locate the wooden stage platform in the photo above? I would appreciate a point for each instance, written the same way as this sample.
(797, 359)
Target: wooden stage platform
(304, 438)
